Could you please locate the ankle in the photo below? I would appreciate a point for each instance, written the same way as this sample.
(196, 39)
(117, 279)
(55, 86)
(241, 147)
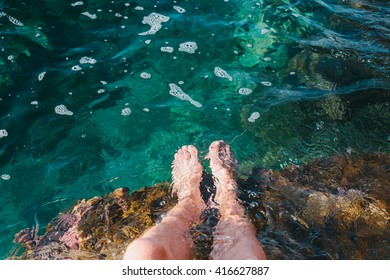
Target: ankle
(187, 210)
(231, 211)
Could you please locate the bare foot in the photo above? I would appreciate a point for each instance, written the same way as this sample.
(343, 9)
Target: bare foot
(221, 157)
(235, 236)
(186, 173)
(170, 239)
(223, 166)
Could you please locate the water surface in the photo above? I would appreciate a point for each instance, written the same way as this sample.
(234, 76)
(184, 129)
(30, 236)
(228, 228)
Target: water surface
(97, 95)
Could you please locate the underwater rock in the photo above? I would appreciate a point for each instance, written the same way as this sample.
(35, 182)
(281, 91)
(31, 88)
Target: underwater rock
(300, 130)
(332, 208)
(255, 41)
(377, 114)
(332, 107)
(98, 228)
(306, 63)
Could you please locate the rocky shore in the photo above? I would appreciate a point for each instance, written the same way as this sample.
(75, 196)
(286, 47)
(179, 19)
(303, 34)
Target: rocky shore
(333, 208)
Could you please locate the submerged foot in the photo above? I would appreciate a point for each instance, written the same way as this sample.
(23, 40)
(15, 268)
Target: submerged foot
(186, 173)
(235, 236)
(221, 159)
(223, 166)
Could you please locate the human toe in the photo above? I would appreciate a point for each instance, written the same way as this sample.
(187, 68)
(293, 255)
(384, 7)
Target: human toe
(193, 151)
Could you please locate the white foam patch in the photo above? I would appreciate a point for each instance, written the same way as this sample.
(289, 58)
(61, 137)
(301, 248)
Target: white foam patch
(76, 68)
(179, 9)
(87, 60)
(78, 3)
(62, 110)
(176, 91)
(15, 21)
(254, 116)
(267, 84)
(167, 49)
(145, 75)
(244, 91)
(154, 20)
(219, 72)
(139, 8)
(3, 133)
(41, 76)
(126, 112)
(146, 110)
(5, 177)
(91, 16)
(35, 103)
(188, 47)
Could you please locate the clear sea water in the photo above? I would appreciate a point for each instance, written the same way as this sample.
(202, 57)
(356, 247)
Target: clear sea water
(99, 94)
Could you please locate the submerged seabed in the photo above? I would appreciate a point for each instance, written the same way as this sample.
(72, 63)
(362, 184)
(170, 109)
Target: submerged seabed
(97, 95)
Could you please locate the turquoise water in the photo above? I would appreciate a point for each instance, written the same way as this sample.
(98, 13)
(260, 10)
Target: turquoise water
(97, 95)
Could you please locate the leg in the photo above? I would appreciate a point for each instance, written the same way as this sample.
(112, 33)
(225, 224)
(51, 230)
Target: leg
(235, 235)
(170, 239)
